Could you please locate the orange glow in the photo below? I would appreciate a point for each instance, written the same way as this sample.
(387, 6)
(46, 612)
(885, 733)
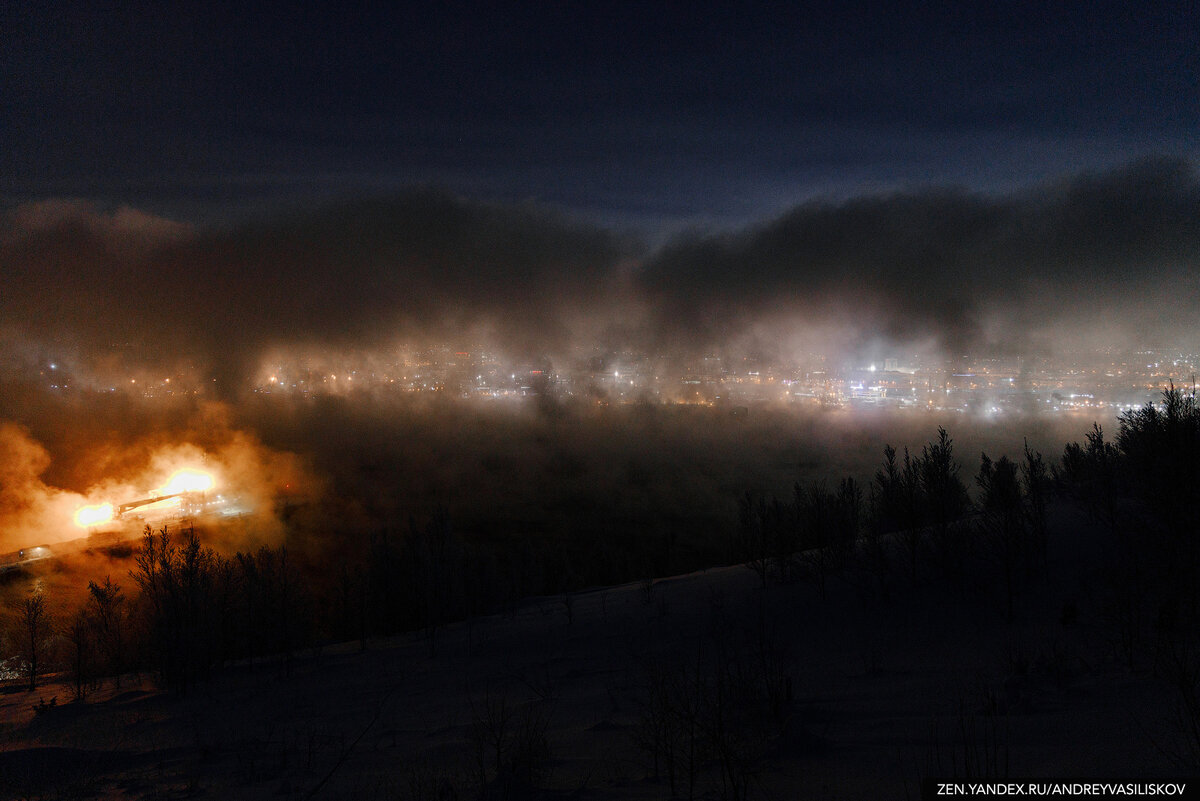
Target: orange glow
(187, 480)
(94, 515)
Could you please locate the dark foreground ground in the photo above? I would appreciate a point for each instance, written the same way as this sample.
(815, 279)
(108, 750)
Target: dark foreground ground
(855, 696)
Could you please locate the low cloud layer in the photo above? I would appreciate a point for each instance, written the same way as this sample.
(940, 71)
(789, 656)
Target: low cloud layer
(1095, 259)
(127, 287)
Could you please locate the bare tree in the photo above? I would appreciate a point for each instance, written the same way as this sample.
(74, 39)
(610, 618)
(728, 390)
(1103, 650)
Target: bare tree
(1002, 517)
(752, 542)
(36, 623)
(106, 612)
(83, 653)
(1036, 479)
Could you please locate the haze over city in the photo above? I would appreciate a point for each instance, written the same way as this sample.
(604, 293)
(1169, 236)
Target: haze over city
(829, 181)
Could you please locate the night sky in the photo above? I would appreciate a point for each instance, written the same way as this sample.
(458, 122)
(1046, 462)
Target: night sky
(645, 114)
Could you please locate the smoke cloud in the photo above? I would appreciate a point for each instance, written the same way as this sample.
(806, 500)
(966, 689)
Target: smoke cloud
(133, 290)
(1096, 259)
(1091, 258)
(44, 483)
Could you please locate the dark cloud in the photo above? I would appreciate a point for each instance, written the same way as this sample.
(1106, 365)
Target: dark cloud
(1098, 255)
(422, 265)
